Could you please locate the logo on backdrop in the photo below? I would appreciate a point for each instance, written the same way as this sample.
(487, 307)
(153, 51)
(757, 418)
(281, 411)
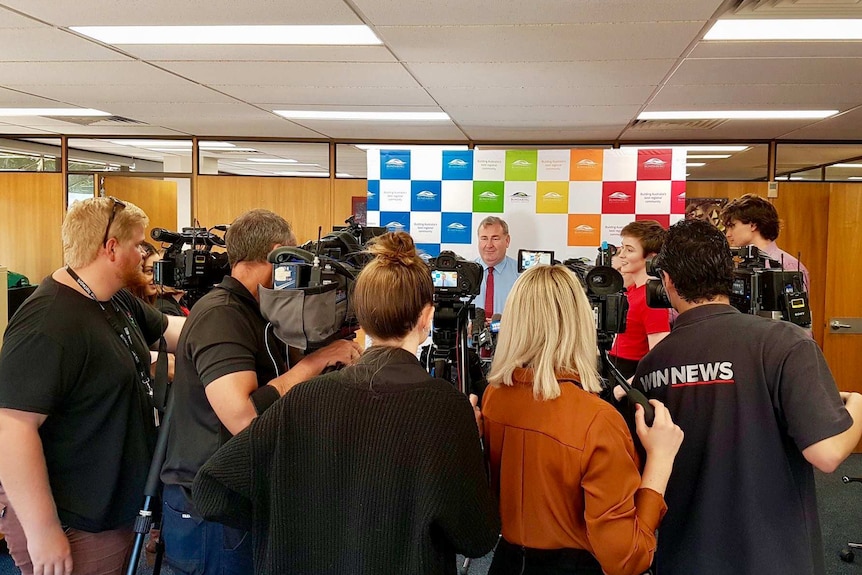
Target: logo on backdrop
(395, 165)
(426, 196)
(654, 164)
(618, 197)
(456, 228)
(457, 164)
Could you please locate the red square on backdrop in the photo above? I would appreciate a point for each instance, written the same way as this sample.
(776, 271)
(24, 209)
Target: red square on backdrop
(654, 164)
(677, 197)
(618, 197)
(662, 219)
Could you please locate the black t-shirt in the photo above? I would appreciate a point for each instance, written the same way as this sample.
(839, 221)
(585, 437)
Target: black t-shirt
(169, 306)
(62, 358)
(750, 395)
(225, 333)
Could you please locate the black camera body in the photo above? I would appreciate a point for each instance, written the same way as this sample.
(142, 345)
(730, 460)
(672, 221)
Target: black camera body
(656, 295)
(189, 264)
(761, 286)
(605, 289)
(454, 277)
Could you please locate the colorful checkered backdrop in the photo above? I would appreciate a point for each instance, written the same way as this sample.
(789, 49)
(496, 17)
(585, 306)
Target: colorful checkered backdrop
(569, 201)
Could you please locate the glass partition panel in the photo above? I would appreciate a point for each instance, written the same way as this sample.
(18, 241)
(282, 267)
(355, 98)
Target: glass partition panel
(264, 158)
(30, 155)
(351, 161)
(835, 162)
(722, 162)
(130, 155)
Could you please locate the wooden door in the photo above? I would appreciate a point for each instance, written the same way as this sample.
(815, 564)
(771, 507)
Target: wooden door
(843, 351)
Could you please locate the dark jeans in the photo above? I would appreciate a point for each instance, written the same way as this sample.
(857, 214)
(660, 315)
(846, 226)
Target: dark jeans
(197, 547)
(516, 560)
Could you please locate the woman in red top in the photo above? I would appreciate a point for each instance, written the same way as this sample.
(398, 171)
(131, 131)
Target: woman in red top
(645, 326)
(563, 462)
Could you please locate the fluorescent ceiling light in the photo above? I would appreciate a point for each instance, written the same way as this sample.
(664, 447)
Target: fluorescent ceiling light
(305, 174)
(855, 178)
(787, 29)
(263, 165)
(343, 175)
(707, 156)
(846, 166)
(221, 35)
(367, 116)
(739, 115)
(367, 147)
(694, 164)
(272, 160)
(715, 148)
(75, 112)
(154, 143)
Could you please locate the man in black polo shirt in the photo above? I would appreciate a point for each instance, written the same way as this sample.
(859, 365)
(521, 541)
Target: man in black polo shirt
(759, 408)
(229, 368)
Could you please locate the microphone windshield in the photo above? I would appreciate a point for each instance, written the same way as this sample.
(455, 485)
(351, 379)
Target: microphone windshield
(478, 321)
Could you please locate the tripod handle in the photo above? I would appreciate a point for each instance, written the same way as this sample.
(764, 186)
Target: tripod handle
(635, 396)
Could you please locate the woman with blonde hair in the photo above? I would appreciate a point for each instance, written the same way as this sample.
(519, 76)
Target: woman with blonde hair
(376, 468)
(563, 462)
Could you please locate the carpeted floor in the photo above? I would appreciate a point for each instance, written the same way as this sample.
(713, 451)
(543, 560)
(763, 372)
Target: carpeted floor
(840, 512)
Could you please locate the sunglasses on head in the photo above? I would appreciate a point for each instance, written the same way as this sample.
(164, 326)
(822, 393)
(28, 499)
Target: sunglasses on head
(117, 206)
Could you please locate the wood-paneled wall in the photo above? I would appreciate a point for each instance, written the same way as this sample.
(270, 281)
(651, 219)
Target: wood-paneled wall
(342, 198)
(158, 199)
(803, 208)
(32, 207)
(305, 202)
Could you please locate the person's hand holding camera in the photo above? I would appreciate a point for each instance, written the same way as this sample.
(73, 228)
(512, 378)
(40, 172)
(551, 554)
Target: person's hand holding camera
(343, 351)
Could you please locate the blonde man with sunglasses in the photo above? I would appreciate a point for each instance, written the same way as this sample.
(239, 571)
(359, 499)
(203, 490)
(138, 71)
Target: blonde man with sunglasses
(76, 422)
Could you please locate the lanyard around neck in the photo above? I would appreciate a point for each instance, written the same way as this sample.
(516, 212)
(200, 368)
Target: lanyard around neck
(123, 332)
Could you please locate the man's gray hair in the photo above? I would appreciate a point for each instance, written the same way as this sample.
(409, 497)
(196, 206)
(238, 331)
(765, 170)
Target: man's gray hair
(252, 236)
(491, 221)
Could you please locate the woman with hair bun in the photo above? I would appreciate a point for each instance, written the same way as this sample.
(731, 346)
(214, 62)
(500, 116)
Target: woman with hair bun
(376, 468)
(562, 460)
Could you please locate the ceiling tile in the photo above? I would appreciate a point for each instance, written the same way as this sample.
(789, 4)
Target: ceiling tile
(176, 90)
(16, 99)
(794, 71)
(92, 74)
(47, 44)
(539, 43)
(10, 19)
(845, 126)
(458, 12)
(181, 52)
(764, 96)
(531, 96)
(240, 127)
(542, 74)
(504, 134)
(585, 117)
(715, 49)
(279, 97)
(171, 12)
(297, 74)
(359, 131)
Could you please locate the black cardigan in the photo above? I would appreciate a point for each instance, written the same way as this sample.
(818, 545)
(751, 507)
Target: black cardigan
(375, 468)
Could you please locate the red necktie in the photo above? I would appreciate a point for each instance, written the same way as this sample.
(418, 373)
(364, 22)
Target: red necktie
(489, 293)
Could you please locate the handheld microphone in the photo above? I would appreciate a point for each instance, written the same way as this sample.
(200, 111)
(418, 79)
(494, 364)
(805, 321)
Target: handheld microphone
(478, 324)
(163, 235)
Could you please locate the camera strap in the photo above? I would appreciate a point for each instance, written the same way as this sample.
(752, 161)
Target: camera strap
(123, 332)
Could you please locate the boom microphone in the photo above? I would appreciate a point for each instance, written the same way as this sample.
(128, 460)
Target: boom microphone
(165, 236)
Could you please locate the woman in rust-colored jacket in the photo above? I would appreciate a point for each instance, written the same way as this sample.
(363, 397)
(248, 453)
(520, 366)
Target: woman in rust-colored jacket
(563, 463)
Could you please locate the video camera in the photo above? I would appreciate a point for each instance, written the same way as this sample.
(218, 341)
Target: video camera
(456, 284)
(771, 291)
(309, 305)
(761, 286)
(194, 269)
(605, 289)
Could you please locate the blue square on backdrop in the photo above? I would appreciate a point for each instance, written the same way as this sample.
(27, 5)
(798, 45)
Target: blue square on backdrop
(456, 228)
(373, 201)
(457, 164)
(394, 164)
(425, 195)
(432, 250)
(395, 221)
